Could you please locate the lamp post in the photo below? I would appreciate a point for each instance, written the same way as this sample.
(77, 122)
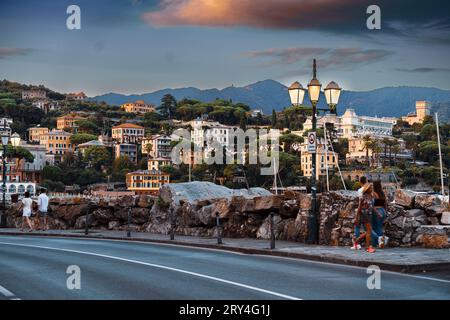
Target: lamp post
(332, 94)
(5, 140)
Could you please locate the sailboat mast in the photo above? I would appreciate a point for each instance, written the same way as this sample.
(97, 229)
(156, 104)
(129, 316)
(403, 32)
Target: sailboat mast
(440, 155)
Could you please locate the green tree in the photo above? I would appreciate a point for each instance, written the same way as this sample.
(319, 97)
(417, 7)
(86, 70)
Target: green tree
(168, 106)
(87, 126)
(274, 119)
(97, 156)
(80, 138)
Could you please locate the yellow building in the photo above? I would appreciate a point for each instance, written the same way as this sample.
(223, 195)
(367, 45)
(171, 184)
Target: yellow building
(128, 133)
(138, 107)
(357, 151)
(146, 181)
(35, 133)
(422, 110)
(67, 121)
(322, 159)
(158, 163)
(57, 142)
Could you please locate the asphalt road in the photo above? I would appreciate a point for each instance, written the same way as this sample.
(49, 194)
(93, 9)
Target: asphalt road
(35, 268)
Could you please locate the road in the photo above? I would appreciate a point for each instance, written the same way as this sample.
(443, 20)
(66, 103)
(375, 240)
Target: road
(35, 268)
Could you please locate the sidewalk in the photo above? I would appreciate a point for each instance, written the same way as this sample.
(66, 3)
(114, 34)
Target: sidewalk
(392, 259)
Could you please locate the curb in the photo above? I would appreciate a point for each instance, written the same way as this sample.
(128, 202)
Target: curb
(403, 268)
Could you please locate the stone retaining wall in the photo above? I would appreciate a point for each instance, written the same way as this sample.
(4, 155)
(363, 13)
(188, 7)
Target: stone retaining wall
(413, 220)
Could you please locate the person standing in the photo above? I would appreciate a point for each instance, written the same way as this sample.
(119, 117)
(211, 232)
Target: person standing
(364, 217)
(43, 208)
(26, 206)
(357, 231)
(380, 209)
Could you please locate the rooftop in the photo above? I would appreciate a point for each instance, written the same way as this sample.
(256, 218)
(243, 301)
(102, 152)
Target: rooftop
(128, 125)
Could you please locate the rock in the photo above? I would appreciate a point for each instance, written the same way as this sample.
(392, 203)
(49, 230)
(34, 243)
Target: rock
(145, 201)
(423, 201)
(445, 219)
(435, 211)
(415, 213)
(404, 198)
(113, 225)
(267, 203)
(434, 241)
(140, 215)
(127, 201)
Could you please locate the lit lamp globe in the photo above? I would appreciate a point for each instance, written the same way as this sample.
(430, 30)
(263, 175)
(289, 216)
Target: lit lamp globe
(15, 139)
(332, 94)
(5, 138)
(314, 87)
(297, 93)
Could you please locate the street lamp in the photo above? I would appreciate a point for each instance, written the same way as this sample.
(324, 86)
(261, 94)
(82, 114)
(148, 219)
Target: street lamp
(15, 140)
(332, 93)
(5, 139)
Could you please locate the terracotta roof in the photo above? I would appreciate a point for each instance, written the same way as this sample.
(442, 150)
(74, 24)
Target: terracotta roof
(128, 125)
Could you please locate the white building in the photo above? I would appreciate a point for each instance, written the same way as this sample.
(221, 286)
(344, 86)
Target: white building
(46, 105)
(351, 125)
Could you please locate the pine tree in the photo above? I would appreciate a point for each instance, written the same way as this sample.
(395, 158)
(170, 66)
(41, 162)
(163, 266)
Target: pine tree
(274, 118)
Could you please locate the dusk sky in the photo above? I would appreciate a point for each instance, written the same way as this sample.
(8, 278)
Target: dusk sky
(137, 46)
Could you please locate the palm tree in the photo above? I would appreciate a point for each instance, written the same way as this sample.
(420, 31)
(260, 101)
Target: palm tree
(367, 141)
(385, 142)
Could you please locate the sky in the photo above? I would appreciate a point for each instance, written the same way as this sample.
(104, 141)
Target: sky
(139, 46)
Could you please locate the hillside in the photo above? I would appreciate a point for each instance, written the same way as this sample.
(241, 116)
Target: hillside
(270, 94)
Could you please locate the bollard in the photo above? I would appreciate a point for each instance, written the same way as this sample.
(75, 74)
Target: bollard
(172, 225)
(129, 222)
(272, 231)
(86, 224)
(219, 229)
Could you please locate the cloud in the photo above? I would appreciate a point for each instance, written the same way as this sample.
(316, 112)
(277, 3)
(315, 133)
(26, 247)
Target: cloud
(340, 58)
(423, 70)
(274, 14)
(12, 52)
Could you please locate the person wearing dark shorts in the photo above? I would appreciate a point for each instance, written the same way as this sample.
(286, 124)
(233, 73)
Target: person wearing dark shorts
(43, 208)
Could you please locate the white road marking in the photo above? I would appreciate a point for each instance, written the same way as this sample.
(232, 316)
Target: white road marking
(248, 254)
(8, 294)
(355, 267)
(280, 295)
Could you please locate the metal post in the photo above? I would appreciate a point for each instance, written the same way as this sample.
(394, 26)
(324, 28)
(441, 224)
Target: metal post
(172, 226)
(219, 229)
(86, 223)
(272, 231)
(3, 217)
(129, 222)
(312, 217)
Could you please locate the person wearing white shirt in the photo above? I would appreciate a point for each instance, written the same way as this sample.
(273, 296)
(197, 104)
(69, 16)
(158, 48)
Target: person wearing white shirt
(26, 206)
(43, 208)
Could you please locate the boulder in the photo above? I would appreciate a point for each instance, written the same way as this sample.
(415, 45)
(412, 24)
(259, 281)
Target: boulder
(145, 201)
(404, 198)
(435, 211)
(433, 236)
(445, 219)
(423, 201)
(267, 203)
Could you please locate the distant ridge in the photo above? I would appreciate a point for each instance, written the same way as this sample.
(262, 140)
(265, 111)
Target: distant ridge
(270, 94)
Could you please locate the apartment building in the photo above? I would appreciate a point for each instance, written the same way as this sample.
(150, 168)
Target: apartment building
(146, 181)
(422, 110)
(126, 150)
(128, 133)
(138, 107)
(324, 158)
(56, 142)
(68, 121)
(34, 94)
(34, 133)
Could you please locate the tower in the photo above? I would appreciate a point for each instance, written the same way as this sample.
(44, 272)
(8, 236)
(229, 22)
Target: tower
(422, 109)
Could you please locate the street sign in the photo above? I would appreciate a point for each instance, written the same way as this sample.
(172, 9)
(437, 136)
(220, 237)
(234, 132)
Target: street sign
(312, 142)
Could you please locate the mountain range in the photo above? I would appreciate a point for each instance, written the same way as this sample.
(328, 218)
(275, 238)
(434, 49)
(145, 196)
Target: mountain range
(270, 94)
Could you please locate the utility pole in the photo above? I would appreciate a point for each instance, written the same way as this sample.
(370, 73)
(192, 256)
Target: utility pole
(440, 154)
